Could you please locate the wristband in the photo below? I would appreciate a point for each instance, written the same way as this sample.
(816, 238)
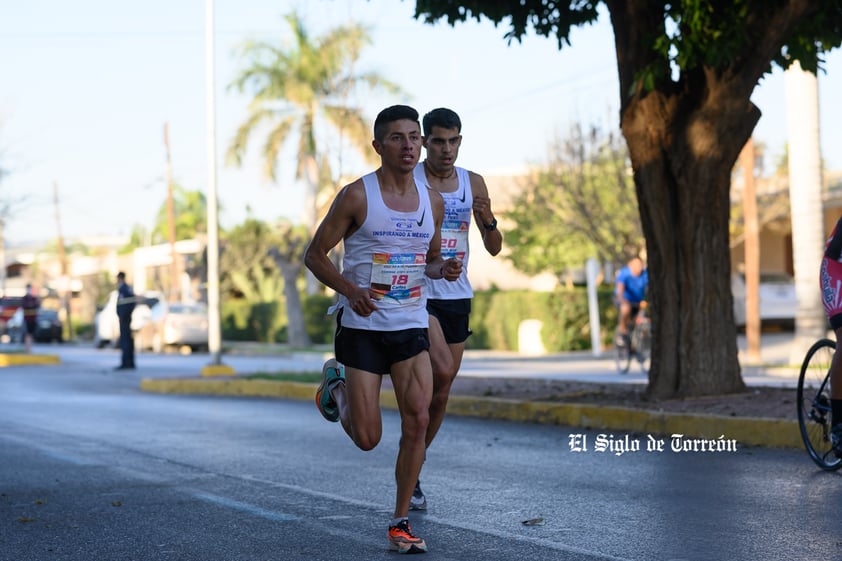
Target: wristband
(491, 226)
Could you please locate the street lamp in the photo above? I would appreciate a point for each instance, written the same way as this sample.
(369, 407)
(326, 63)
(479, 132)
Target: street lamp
(214, 325)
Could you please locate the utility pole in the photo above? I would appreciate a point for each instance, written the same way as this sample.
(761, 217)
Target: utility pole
(173, 291)
(752, 253)
(65, 273)
(216, 366)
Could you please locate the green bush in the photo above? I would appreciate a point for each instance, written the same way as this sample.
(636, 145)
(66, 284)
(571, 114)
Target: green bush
(496, 316)
(235, 321)
(320, 326)
(267, 322)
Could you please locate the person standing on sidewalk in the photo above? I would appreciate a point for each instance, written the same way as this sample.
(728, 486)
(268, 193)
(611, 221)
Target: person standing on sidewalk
(125, 307)
(449, 305)
(391, 230)
(30, 304)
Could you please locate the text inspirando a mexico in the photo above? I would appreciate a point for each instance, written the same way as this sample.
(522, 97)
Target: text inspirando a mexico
(676, 443)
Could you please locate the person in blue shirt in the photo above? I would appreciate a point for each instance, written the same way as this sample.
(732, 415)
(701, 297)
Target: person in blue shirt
(630, 291)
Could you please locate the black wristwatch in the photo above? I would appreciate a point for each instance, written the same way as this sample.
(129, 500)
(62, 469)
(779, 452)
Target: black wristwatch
(492, 226)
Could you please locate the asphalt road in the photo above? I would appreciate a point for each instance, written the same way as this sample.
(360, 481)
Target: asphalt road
(93, 469)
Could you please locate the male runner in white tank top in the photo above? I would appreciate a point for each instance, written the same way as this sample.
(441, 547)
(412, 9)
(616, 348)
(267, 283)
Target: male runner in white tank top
(391, 231)
(449, 305)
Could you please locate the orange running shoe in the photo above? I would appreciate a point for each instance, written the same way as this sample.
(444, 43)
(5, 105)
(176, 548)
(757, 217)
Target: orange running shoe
(402, 539)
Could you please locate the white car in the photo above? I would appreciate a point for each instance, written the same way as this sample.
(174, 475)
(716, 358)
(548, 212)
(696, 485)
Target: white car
(106, 324)
(778, 303)
(180, 325)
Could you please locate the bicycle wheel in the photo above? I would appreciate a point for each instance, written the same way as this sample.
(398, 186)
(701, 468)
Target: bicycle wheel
(622, 353)
(813, 400)
(642, 344)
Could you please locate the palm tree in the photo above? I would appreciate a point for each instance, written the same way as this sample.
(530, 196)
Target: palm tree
(190, 210)
(805, 188)
(304, 90)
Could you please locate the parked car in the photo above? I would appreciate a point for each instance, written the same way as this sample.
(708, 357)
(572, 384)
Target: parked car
(184, 326)
(8, 306)
(48, 327)
(106, 324)
(778, 303)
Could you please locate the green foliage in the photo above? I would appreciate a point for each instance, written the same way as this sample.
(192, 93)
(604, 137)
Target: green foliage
(248, 272)
(252, 321)
(545, 17)
(266, 322)
(320, 326)
(190, 213)
(581, 205)
(691, 34)
(235, 325)
(496, 317)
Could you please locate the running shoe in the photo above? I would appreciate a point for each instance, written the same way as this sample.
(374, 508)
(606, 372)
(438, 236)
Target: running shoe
(403, 540)
(836, 439)
(418, 501)
(331, 372)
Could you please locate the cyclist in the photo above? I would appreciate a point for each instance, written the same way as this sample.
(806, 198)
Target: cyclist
(831, 285)
(629, 292)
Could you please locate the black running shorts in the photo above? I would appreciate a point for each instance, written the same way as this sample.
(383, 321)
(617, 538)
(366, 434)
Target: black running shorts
(453, 316)
(377, 351)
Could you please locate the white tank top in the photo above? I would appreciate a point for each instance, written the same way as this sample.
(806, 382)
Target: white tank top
(388, 255)
(458, 210)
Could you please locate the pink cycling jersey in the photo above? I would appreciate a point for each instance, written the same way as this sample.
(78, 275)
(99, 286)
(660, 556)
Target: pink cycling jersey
(830, 278)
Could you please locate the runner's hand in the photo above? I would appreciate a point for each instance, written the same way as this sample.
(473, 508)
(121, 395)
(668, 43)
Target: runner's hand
(452, 269)
(362, 301)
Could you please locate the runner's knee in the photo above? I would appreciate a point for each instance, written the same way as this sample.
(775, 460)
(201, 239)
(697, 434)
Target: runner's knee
(367, 440)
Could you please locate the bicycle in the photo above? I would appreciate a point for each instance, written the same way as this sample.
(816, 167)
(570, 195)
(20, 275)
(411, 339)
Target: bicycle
(813, 401)
(637, 344)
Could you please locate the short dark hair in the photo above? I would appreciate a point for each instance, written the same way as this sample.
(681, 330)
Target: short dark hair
(390, 115)
(121, 275)
(441, 117)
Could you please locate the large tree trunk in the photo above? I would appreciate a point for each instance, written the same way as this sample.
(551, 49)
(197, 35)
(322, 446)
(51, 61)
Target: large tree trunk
(296, 326)
(290, 267)
(685, 129)
(683, 184)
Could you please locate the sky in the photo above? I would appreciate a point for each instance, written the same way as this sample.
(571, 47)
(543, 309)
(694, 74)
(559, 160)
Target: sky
(87, 87)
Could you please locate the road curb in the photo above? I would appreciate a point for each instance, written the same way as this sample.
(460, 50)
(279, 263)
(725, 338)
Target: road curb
(22, 359)
(746, 431)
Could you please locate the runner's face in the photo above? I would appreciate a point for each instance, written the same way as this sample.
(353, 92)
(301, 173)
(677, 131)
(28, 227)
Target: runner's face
(442, 148)
(401, 146)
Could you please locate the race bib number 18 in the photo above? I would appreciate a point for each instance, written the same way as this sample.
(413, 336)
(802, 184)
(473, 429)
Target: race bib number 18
(398, 276)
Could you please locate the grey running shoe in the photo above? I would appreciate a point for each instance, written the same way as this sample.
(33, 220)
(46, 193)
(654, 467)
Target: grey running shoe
(418, 501)
(331, 372)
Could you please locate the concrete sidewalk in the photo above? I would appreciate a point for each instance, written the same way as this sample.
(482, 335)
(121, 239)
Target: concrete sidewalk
(774, 370)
